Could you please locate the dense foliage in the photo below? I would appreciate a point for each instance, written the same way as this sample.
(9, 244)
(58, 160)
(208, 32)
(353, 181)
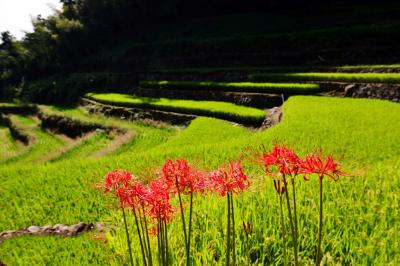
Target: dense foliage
(121, 35)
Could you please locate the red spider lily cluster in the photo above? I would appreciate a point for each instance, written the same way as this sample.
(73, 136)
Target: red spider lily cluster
(174, 176)
(282, 163)
(154, 199)
(285, 159)
(152, 202)
(316, 164)
(230, 178)
(178, 175)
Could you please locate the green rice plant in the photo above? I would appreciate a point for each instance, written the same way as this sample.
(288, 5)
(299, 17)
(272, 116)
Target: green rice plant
(8, 146)
(45, 143)
(359, 225)
(147, 135)
(288, 88)
(376, 66)
(7, 104)
(271, 69)
(54, 250)
(327, 77)
(228, 111)
(85, 148)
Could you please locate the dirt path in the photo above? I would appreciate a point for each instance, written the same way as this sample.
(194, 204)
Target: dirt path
(114, 145)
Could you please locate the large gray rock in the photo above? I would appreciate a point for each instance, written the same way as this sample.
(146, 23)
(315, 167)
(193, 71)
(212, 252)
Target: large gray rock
(33, 229)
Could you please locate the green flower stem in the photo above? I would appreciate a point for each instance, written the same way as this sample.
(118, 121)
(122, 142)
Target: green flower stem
(148, 238)
(182, 215)
(166, 243)
(296, 259)
(318, 262)
(161, 233)
(190, 231)
(142, 238)
(296, 230)
(233, 232)
(159, 242)
(127, 237)
(283, 230)
(228, 230)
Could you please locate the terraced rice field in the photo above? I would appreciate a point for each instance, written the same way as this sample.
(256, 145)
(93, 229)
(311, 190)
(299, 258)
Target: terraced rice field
(361, 209)
(327, 77)
(289, 88)
(229, 111)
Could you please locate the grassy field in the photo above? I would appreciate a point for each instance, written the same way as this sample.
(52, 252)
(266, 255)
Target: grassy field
(229, 111)
(290, 88)
(273, 69)
(336, 77)
(8, 147)
(361, 210)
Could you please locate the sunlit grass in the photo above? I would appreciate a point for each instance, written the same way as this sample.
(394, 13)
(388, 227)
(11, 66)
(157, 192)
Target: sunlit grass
(51, 250)
(361, 210)
(223, 110)
(291, 88)
(9, 147)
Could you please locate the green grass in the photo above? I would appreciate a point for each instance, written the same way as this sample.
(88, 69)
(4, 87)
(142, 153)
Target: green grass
(86, 147)
(336, 77)
(45, 143)
(382, 66)
(335, 124)
(361, 211)
(8, 104)
(56, 251)
(228, 111)
(289, 88)
(272, 69)
(147, 135)
(8, 148)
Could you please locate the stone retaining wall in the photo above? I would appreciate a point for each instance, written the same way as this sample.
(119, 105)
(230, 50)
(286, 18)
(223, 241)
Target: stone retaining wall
(21, 110)
(71, 127)
(136, 113)
(390, 92)
(58, 229)
(16, 133)
(257, 100)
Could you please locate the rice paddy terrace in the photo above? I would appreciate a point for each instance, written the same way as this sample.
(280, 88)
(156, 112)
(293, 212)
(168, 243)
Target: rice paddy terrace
(52, 157)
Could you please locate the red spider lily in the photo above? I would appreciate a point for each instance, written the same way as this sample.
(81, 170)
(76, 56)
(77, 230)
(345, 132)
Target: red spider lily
(199, 182)
(229, 178)
(117, 182)
(315, 164)
(134, 195)
(285, 159)
(157, 198)
(175, 171)
(117, 179)
(179, 175)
